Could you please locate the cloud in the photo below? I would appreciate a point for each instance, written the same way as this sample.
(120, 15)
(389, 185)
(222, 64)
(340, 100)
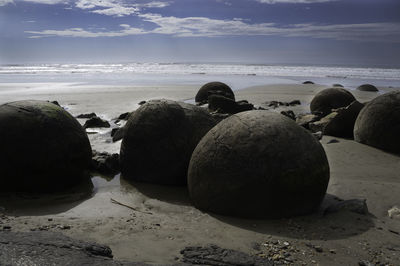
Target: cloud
(207, 27)
(293, 1)
(6, 2)
(117, 8)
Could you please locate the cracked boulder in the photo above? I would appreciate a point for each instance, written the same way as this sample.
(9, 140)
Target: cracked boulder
(328, 99)
(159, 139)
(378, 123)
(258, 164)
(43, 148)
(213, 88)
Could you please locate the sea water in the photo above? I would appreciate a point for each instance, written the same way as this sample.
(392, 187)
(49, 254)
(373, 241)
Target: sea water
(236, 75)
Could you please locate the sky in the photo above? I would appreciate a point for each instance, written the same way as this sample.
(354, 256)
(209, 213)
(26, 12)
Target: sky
(297, 32)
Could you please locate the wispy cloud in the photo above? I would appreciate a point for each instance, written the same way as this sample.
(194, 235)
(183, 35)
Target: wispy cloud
(6, 2)
(293, 1)
(207, 27)
(118, 8)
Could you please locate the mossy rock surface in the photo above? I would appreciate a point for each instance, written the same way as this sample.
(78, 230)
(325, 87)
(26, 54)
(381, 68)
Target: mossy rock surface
(378, 123)
(258, 164)
(331, 98)
(159, 139)
(43, 148)
(214, 87)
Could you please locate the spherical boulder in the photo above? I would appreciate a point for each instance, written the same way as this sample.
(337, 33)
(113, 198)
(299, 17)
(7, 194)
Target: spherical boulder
(367, 87)
(378, 123)
(258, 164)
(159, 139)
(332, 98)
(43, 148)
(215, 87)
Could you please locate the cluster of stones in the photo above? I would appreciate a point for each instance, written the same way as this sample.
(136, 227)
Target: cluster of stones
(237, 167)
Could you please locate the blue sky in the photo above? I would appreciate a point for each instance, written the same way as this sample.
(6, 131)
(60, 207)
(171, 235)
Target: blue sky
(324, 32)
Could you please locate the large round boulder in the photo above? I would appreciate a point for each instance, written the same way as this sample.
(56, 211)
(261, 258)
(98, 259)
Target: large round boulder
(367, 87)
(378, 123)
(332, 98)
(159, 139)
(258, 164)
(43, 148)
(214, 87)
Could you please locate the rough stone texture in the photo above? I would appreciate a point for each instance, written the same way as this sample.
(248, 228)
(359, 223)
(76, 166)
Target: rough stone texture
(258, 164)
(367, 87)
(378, 123)
(321, 124)
(46, 248)
(96, 122)
(305, 120)
(332, 98)
(342, 125)
(290, 114)
(215, 256)
(43, 148)
(213, 88)
(159, 139)
(105, 163)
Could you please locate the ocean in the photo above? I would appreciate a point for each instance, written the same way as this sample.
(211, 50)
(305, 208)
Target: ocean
(236, 75)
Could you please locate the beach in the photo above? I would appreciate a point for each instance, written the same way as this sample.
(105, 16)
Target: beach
(152, 224)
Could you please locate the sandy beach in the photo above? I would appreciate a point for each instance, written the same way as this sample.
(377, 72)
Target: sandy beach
(162, 221)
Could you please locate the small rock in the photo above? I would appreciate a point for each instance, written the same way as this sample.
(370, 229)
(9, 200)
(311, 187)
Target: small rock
(105, 163)
(126, 115)
(365, 263)
(290, 114)
(90, 115)
(295, 102)
(308, 82)
(141, 102)
(317, 135)
(305, 119)
(318, 249)
(394, 213)
(6, 227)
(56, 103)
(96, 122)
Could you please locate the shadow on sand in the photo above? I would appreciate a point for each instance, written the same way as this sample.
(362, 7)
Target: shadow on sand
(37, 204)
(317, 226)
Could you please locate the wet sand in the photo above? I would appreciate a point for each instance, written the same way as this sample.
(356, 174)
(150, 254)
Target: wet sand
(157, 222)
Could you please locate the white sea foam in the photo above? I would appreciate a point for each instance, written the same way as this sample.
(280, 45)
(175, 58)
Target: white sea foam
(206, 69)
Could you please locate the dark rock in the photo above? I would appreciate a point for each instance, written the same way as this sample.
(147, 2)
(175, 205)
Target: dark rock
(367, 87)
(308, 82)
(96, 122)
(329, 99)
(43, 148)
(125, 116)
(213, 88)
(105, 163)
(354, 205)
(47, 248)
(159, 139)
(117, 133)
(90, 115)
(305, 120)
(378, 123)
(225, 105)
(215, 256)
(248, 161)
(141, 102)
(317, 135)
(365, 263)
(295, 102)
(342, 125)
(290, 114)
(56, 103)
(338, 85)
(321, 124)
